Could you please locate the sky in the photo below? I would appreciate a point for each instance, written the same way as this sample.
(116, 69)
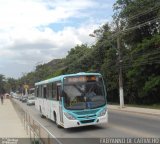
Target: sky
(34, 32)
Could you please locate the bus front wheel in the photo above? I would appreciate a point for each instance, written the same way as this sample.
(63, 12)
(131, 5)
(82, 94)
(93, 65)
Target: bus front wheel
(42, 116)
(55, 120)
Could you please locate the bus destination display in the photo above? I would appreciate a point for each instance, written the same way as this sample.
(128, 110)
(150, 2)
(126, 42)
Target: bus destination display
(80, 79)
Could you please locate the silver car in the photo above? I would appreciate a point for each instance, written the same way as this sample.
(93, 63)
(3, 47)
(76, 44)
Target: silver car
(31, 100)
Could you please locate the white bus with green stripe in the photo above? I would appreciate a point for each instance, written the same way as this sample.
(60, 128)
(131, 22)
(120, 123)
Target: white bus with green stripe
(73, 100)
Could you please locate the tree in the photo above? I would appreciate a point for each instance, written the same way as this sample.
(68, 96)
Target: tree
(10, 85)
(2, 82)
(75, 59)
(141, 40)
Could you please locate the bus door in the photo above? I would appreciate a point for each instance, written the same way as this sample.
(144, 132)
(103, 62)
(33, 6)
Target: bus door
(44, 105)
(59, 97)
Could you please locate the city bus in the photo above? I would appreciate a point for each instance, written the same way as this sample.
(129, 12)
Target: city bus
(73, 100)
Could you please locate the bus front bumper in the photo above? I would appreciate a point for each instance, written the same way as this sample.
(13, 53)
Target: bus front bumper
(78, 123)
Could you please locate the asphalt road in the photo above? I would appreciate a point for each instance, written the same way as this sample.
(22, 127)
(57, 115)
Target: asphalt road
(121, 125)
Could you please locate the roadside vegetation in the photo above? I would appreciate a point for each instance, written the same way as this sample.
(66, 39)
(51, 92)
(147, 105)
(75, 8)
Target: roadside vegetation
(139, 33)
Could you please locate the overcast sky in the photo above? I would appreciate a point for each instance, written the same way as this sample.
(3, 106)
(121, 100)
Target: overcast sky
(37, 31)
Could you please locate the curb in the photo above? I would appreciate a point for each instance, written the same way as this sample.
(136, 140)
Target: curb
(132, 111)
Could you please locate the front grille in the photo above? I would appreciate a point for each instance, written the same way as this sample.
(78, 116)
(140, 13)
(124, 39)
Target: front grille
(88, 116)
(87, 121)
(87, 112)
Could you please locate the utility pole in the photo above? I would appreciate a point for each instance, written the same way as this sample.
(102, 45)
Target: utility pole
(121, 95)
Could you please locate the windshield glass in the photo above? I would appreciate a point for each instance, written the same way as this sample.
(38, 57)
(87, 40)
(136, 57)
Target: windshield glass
(83, 92)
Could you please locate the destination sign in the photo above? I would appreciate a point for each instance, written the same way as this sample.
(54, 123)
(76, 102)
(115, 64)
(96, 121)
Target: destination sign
(76, 79)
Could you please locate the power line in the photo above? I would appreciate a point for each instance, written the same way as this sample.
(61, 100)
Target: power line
(135, 27)
(126, 67)
(143, 13)
(137, 15)
(139, 62)
(143, 60)
(154, 52)
(149, 22)
(141, 22)
(145, 57)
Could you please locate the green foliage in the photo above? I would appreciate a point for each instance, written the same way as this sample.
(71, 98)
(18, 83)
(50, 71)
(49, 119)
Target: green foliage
(78, 59)
(2, 82)
(140, 50)
(151, 84)
(56, 73)
(141, 58)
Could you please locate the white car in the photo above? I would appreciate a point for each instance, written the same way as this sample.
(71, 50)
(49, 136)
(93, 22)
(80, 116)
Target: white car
(31, 100)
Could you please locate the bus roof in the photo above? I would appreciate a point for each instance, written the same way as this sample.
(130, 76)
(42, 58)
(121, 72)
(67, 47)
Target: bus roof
(59, 78)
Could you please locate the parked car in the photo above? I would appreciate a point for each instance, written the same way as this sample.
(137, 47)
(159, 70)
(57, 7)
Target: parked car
(31, 100)
(14, 95)
(24, 98)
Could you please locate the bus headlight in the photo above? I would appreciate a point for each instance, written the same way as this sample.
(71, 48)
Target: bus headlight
(69, 116)
(103, 112)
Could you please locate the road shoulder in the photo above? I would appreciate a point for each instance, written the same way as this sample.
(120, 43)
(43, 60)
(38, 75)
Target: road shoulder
(135, 110)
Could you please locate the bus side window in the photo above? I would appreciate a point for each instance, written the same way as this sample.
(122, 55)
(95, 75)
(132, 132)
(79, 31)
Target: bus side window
(54, 91)
(47, 91)
(58, 92)
(50, 91)
(37, 91)
(44, 92)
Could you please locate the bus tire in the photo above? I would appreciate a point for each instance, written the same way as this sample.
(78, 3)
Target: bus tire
(55, 120)
(42, 116)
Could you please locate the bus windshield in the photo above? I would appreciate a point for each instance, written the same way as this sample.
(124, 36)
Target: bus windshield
(83, 92)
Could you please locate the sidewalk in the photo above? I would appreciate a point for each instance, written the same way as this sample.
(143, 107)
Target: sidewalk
(135, 110)
(10, 124)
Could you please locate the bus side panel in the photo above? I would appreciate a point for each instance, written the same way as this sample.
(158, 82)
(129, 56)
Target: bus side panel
(55, 109)
(37, 103)
(52, 110)
(45, 106)
(41, 105)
